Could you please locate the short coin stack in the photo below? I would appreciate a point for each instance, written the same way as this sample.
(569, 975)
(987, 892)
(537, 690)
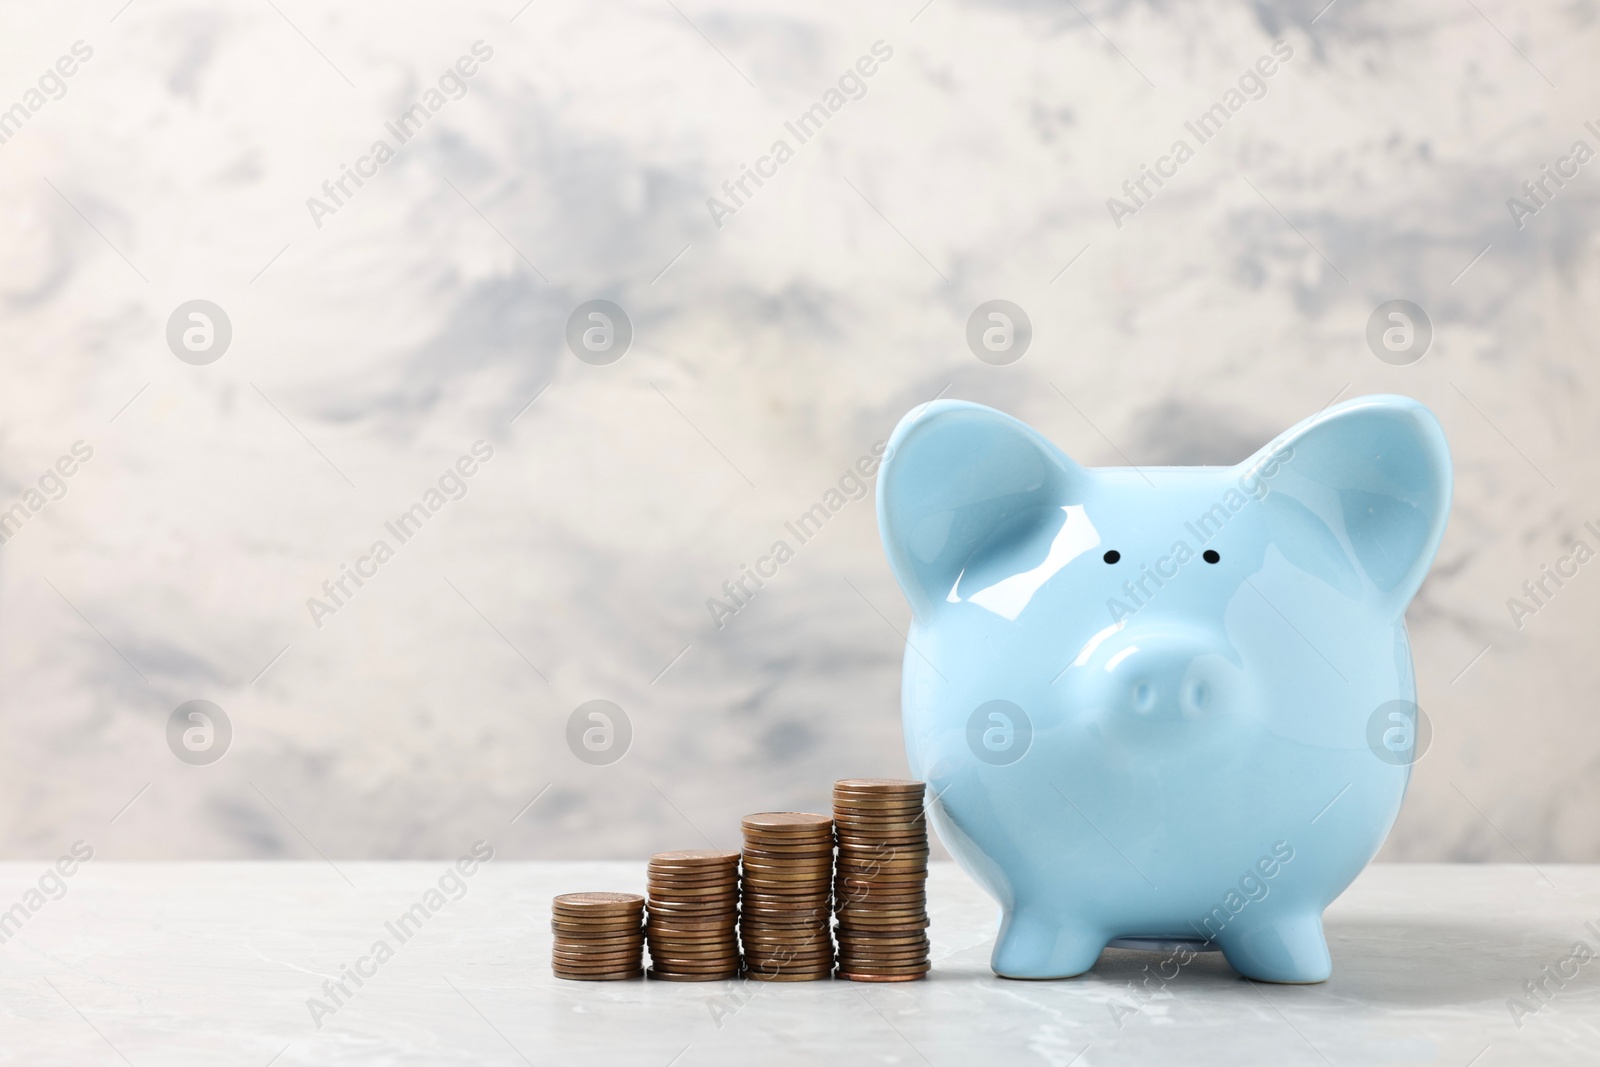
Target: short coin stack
(694, 907)
(784, 908)
(880, 889)
(599, 936)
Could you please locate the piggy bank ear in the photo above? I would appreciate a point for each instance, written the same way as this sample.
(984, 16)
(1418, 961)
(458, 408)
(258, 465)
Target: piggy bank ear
(959, 479)
(1359, 494)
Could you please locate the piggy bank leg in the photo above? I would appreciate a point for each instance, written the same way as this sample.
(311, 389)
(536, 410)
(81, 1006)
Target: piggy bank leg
(1035, 942)
(1284, 948)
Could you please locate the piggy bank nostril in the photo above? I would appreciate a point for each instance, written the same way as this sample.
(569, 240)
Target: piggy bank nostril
(1143, 696)
(1196, 698)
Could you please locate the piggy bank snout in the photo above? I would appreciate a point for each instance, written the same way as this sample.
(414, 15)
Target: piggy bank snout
(1167, 677)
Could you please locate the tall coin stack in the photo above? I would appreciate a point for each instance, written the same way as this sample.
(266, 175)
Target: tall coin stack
(784, 907)
(694, 908)
(880, 888)
(598, 936)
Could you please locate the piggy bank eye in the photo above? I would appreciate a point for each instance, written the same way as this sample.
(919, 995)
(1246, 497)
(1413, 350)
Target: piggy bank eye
(1112, 556)
(1210, 556)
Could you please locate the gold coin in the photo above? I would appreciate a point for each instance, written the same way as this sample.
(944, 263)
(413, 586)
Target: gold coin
(760, 848)
(609, 976)
(694, 952)
(816, 935)
(821, 889)
(788, 935)
(695, 963)
(880, 900)
(727, 877)
(883, 909)
(892, 852)
(706, 935)
(696, 857)
(780, 821)
(595, 929)
(881, 785)
(573, 937)
(667, 899)
(590, 903)
(895, 952)
(907, 843)
(673, 923)
(759, 975)
(806, 866)
(567, 952)
(690, 951)
(875, 807)
(756, 913)
(659, 890)
(621, 918)
(849, 824)
(607, 963)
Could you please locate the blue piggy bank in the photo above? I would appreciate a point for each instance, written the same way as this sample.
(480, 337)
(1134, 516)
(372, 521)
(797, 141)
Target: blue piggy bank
(1163, 704)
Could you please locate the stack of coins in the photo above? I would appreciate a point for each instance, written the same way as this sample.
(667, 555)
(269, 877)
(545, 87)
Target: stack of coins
(880, 890)
(694, 908)
(784, 907)
(599, 936)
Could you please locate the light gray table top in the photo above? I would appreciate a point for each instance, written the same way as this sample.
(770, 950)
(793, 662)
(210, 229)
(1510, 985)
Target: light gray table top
(186, 963)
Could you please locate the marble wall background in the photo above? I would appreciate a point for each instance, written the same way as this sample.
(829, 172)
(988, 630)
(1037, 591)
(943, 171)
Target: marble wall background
(425, 314)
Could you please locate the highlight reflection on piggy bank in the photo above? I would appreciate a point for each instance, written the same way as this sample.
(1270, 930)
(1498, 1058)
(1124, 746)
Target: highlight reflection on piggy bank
(1143, 698)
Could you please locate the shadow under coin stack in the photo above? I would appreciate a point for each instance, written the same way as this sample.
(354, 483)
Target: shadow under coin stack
(599, 936)
(880, 890)
(784, 908)
(694, 908)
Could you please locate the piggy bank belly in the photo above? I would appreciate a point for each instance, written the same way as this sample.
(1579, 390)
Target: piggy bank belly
(1231, 805)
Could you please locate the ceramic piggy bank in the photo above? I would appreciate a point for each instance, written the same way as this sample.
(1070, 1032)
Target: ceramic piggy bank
(1163, 703)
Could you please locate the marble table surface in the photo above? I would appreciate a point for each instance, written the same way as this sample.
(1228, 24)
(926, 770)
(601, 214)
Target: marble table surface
(190, 963)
